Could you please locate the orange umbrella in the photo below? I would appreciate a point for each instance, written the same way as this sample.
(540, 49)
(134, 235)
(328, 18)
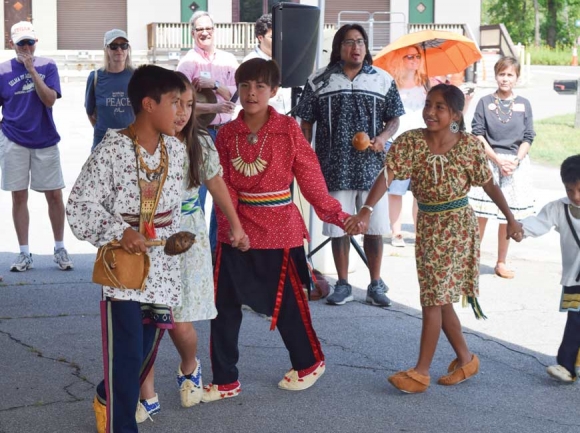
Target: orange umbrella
(444, 52)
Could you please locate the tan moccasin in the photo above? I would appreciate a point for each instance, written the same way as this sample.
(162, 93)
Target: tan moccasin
(460, 374)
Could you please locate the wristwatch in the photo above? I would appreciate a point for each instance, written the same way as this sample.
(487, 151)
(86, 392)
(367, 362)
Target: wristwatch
(216, 85)
(366, 206)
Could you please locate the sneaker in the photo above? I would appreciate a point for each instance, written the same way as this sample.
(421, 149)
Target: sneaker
(190, 386)
(147, 408)
(376, 294)
(341, 295)
(213, 392)
(23, 263)
(100, 415)
(302, 379)
(62, 260)
(560, 373)
(398, 241)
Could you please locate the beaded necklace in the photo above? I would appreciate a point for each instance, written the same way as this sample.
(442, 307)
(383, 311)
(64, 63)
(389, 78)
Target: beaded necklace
(498, 108)
(150, 189)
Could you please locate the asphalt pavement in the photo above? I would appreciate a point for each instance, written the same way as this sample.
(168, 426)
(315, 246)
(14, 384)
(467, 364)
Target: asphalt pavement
(50, 357)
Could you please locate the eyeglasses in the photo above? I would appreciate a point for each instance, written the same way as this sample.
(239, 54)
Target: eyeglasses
(412, 56)
(29, 42)
(353, 42)
(202, 29)
(114, 47)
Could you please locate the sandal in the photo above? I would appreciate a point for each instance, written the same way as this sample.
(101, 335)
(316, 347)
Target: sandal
(460, 374)
(410, 381)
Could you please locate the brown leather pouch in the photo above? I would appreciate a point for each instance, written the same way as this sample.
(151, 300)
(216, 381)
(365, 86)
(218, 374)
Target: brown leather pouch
(114, 267)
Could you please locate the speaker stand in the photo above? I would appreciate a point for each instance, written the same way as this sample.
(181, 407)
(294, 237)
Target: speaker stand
(353, 242)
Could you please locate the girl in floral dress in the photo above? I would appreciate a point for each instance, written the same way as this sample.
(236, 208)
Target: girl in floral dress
(443, 162)
(201, 166)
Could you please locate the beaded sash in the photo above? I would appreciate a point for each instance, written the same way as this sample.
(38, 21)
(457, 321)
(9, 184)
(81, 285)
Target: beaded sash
(445, 206)
(265, 199)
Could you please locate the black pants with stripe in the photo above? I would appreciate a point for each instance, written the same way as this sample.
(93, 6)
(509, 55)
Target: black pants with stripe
(254, 278)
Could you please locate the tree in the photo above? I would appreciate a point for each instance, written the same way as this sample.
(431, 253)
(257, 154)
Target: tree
(557, 18)
(536, 23)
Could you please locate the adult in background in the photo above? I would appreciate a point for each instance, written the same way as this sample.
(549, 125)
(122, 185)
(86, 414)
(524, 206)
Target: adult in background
(359, 97)
(210, 68)
(504, 123)
(106, 99)
(412, 84)
(29, 155)
(263, 32)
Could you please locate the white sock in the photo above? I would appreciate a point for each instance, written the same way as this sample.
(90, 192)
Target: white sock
(58, 245)
(24, 249)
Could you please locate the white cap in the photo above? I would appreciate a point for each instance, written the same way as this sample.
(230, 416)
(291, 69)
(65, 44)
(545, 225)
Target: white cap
(21, 31)
(111, 35)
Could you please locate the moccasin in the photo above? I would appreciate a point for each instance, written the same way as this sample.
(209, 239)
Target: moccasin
(560, 373)
(410, 381)
(190, 386)
(293, 382)
(452, 366)
(460, 374)
(100, 415)
(213, 392)
(504, 273)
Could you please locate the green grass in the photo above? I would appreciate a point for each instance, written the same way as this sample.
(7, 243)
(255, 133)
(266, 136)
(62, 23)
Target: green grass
(545, 55)
(556, 139)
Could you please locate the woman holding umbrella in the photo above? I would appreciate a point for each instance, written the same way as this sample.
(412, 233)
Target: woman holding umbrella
(412, 83)
(503, 122)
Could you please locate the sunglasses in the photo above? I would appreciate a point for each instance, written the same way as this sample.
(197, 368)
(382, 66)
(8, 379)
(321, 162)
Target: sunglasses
(29, 42)
(412, 56)
(124, 46)
(201, 29)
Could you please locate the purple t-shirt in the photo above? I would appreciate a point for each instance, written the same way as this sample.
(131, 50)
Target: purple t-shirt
(25, 119)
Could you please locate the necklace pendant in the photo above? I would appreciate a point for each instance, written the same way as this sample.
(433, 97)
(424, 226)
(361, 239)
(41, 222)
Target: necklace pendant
(252, 138)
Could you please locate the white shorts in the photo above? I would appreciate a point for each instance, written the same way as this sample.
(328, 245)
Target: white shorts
(23, 167)
(351, 201)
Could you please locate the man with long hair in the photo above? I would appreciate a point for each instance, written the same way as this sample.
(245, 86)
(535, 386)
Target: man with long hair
(358, 97)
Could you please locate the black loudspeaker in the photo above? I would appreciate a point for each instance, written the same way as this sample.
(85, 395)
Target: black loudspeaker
(294, 41)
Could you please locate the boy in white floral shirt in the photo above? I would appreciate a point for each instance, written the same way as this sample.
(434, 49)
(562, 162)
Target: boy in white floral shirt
(105, 205)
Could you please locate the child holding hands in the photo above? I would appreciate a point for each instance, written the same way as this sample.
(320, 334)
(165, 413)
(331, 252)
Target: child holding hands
(443, 162)
(564, 216)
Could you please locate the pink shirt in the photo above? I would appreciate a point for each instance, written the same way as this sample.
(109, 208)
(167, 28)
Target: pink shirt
(220, 66)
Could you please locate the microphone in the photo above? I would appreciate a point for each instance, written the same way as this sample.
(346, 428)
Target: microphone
(334, 69)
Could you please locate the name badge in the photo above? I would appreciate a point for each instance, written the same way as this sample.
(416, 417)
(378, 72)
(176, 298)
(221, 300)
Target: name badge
(205, 74)
(519, 108)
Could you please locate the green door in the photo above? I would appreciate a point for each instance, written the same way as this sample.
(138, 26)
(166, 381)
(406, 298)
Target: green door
(421, 11)
(188, 7)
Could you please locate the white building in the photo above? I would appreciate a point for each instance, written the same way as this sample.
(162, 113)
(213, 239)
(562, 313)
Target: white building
(80, 24)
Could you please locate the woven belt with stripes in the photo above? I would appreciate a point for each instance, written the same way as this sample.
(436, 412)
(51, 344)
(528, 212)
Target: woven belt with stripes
(161, 219)
(445, 206)
(265, 199)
